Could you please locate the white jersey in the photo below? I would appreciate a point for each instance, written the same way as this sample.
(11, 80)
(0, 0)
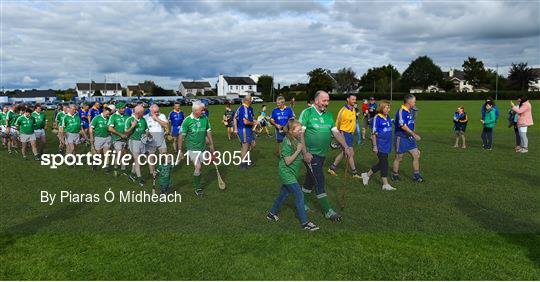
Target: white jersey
(154, 126)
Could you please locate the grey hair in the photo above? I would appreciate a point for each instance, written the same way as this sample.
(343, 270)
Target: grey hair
(317, 94)
(196, 105)
(247, 98)
(280, 98)
(408, 97)
(154, 106)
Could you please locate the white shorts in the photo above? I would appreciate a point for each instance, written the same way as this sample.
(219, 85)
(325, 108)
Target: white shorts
(102, 142)
(73, 138)
(523, 129)
(13, 132)
(3, 128)
(118, 145)
(158, 142)
(39, 133)
(197, 156)
(25, 138)
(136, 147)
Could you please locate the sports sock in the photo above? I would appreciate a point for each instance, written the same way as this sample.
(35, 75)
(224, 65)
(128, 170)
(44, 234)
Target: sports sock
(323, 200)
(197, 181)
(416, 174)
(333, 167)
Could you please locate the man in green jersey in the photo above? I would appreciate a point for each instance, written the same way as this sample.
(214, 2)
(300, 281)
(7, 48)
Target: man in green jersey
(40, 127)
(319, 126)
(194, 132)
(3, 130)
(117, 128)
(136, 127)
(100, 138)
(71, 128)
(25, 125)
(11, 130)
(57, 125)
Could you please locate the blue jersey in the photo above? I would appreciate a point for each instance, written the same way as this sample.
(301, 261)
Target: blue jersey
(176, 119)
(382, 128)
(403, 117)
(128, 112)
(244, 112)
(84, 118)
(207, 113)
(281, 117)
(494, 108)
(94, 112)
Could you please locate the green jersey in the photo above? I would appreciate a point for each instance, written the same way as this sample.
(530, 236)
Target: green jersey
(60, 119)
(100, 125)
(72, 124)
(118, 122)
(25, 124)
(289, 173)
(194, 131)
(318, 130)
(139, 129)
(3, 118)
(11, 118)
(40, 120)
(164, 172)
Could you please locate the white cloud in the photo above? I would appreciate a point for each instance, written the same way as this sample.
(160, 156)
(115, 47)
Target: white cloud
(56, 44)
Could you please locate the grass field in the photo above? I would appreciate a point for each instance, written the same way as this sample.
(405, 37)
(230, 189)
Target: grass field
(477, 216)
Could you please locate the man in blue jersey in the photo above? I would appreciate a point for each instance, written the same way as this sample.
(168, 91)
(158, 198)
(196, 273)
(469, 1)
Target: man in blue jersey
(84, 114)
(279, 118)
(243, 126)
(405, 138)
(95, 110)
(176, 117)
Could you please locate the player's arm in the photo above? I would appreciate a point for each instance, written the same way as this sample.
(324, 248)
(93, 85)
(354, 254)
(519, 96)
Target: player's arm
(405, 128)
(305, 154)
(341, 140)
(91, 132)
(374, 136)
(161, 122)
(130, 127)
(289, 159)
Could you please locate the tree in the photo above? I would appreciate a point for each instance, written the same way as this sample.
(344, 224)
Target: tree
(474, 71)
(519, 76)
(491, 81)
(380, 79)
(319, 79)
(266, 84)
(422, 72)
(345, 80)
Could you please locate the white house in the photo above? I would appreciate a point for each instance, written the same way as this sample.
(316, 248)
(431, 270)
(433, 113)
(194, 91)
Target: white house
(237, 86)
(458, 78)
(534, 85)
(106, 89)
(194, 87)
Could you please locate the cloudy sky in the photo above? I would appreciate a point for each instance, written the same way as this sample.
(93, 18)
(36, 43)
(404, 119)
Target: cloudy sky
(58, 43)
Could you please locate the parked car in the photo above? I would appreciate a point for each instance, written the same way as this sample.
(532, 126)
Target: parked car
(257, 100)
(49, 106)
(236, 101)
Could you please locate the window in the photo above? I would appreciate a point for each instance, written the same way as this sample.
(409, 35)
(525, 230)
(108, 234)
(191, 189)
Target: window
(230, 87)
(250, 87)
(236, 87)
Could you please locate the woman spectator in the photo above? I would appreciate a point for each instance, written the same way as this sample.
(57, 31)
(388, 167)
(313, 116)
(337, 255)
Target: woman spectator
(512, 122)
(525, 120)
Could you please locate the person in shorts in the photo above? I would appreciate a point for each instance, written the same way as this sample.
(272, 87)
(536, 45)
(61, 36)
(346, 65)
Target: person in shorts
(228, 120)
(71, 129)
(11, 129)
(244, 122)
(40, 127)
(176, 117)
(279, 118)
(25, 126)
(195, 132)
(460, 125)
(117, 128)
(157, 123)
(136, 127)
(100, 138)
(3, 130)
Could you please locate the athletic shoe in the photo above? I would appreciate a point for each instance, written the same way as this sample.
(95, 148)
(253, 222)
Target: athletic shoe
(388, 187)
(395, 177)
(37, 158)
(115, 173)
(199, 192)
(332, 172)
(310, 226)
(365, 178)
(524, 151)
(333, 216)
(141, 182)
(355, 175)
(418, 178)
(272, 217)
(132, 177)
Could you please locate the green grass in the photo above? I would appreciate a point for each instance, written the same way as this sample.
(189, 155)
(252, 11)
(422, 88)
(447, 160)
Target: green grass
(476, 217)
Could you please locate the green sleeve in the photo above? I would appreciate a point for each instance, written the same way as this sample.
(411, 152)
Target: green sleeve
(111, 120)
(93, 123)
(304, 117)
(185, 126)
(18, 121)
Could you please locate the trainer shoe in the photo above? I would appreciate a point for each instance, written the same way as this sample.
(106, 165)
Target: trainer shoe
(333, 216)
(132, 177)
(356, 175)
(365, 178)
(395, 177)
(141, 182)
(37, 158)
(332, 172)
(199, 192)
(524, 150)
(418, 178)
(272, 217)
(310, 226)
(388, 187)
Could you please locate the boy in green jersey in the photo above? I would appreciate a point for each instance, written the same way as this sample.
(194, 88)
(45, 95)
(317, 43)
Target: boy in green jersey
(164, 176)
(319, 127)
(194, 133)
(289, 164)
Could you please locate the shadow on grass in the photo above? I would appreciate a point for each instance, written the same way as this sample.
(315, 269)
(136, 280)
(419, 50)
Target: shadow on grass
(32, 226)
(514, 230)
